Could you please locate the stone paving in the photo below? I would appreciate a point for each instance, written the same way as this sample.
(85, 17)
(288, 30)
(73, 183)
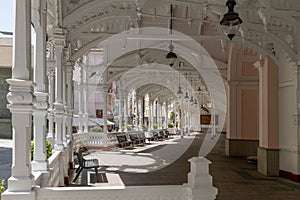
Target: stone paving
(235, 178)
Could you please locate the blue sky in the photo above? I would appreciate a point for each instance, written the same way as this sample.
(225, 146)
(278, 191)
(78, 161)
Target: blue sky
(6, 15)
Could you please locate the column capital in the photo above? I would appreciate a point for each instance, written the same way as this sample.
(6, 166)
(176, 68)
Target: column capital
(20, 93)
(41, 100)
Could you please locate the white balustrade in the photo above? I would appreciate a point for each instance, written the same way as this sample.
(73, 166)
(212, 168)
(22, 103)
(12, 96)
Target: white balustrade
(174, 192)
(59, 166)
(55, 169)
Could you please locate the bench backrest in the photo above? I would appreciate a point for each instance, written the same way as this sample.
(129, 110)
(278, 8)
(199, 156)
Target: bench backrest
(121, 138)
(133, 137)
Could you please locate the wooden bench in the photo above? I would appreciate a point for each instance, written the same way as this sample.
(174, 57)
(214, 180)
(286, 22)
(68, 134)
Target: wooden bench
(157, 136)
(136, 139)
(85, 164)
(123, 142)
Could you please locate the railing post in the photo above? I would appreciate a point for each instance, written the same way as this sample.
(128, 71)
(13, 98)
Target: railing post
(200, 181)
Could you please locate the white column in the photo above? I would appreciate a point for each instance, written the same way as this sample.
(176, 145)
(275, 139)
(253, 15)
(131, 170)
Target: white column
(120, 112)
(136, 112)
(40, 162)
(59, 39)
(20, 100)
(175, 112)
(126, 110)
(104, 96)
(80, 100)
(64, 92)
(166, 114)
(189, 119)
(85, 100)
(70, 96)
(185, 122)
(140, 113)
(150, 116)
(50, 135)
(181, 119)
(158, 115)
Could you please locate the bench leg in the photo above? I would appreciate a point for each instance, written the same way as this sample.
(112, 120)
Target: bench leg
(77, 175)
(97, 177)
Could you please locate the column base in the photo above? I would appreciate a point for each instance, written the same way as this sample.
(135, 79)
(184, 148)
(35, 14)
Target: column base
(20, 184)
(18, 195)
(268, 161)
(241, 147)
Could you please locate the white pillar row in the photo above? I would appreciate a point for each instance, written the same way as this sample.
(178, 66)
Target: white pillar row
(59, 39)
(185, 121)
(150, 115)
(85, 96)
(80, 99)
(20, 98)
(70, 99)
(64, 92)
(166, 114)
(136, 112)
(50, 135)
(120, 111)
(40, 162)
(137, 118)
(104, 96)
(161, 115)
(175, 112)
(155, 112)
(181, 120)
(141, 113)
(158, 115)
(126, 110)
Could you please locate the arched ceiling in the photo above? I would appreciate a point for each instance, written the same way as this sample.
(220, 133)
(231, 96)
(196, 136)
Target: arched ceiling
(269, 24)
(270, 27)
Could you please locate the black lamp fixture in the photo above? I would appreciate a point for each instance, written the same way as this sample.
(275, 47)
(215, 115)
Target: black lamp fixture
(231, 19)
(195, 102)
(171, 56)
(192, 99)
(186, 93)
(179, 93)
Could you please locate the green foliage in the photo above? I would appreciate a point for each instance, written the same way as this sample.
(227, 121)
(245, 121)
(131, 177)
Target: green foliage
(176, 124)
(155, 126)
(172, 116)
(129, 128)
(96, 129)
(170, 125)
(145, 127)
(48, 149)
(2, 187)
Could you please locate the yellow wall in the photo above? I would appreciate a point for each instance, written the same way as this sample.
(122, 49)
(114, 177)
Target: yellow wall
(5, 56)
